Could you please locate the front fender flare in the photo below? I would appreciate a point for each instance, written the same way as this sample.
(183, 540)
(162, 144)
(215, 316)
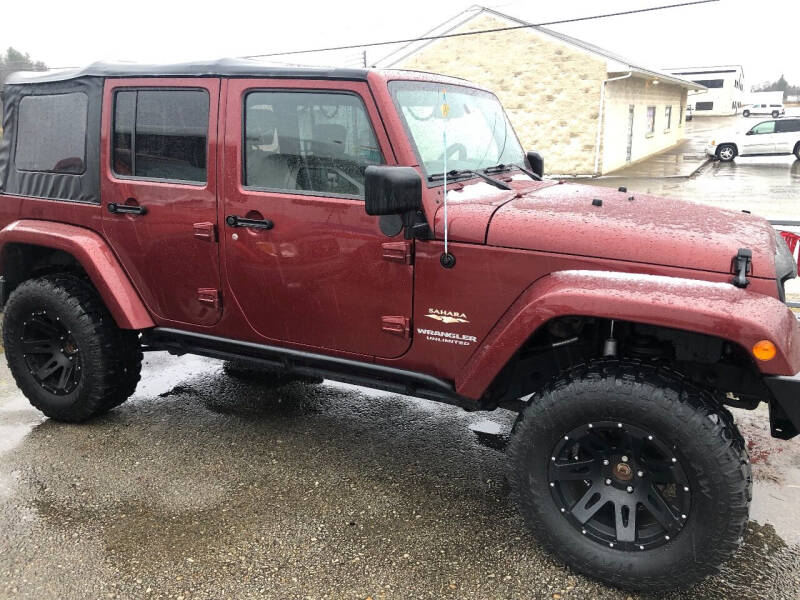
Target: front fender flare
(96, 258)
(717, 309)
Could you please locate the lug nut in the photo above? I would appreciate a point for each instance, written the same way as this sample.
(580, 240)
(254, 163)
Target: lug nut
(630, 489)
(608, 482)
(605, 462)
(624, 459)
(640, 473)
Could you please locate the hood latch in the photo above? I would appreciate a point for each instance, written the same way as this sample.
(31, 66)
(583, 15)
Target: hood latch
(741, 267)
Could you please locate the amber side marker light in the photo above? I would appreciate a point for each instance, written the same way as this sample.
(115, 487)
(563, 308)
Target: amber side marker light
(764, 350)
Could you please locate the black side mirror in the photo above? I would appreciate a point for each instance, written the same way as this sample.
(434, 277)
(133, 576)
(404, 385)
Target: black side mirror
(535, 163)
(749, 132)
(391, 190)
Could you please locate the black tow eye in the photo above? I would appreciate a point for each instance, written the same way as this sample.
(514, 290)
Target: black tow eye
(741, 267)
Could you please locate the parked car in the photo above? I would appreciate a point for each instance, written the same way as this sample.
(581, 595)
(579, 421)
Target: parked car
(311, 223)
(689, 113)
(771, 138)
(774, 110)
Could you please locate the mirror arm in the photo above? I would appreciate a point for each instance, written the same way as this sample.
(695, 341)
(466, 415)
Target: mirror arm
(415, 226)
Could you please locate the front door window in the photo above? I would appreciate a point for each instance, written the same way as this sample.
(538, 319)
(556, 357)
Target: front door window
(307, 142)
(765, 127)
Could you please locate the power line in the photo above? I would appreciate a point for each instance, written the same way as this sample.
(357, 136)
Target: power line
(482, 31)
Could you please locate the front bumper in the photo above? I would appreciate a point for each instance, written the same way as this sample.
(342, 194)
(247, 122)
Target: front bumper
(784, 406)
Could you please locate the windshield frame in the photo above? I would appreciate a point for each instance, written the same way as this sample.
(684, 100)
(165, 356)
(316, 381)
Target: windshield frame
(470, 89)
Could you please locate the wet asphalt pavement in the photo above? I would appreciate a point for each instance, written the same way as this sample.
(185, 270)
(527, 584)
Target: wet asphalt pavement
(205, 486)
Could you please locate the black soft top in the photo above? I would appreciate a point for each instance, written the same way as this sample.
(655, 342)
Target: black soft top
(226, 67)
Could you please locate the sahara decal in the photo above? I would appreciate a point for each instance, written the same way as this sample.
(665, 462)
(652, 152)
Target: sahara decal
(447, 316)
(447, 337)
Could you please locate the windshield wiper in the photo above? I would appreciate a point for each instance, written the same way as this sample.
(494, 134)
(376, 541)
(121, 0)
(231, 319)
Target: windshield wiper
(456, 173)
(501, 168)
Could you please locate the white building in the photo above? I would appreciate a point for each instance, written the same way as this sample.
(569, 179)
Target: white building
(725, 93)
(587, 110)
(764, 98)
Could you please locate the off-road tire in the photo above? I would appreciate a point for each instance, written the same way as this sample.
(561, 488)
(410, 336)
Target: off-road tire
(251, 372)
(110, 358)
(745, 113)
(711, 452)
(726, 152)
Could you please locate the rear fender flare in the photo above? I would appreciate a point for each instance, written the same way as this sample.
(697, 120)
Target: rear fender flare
(717, 309)
(96, 258)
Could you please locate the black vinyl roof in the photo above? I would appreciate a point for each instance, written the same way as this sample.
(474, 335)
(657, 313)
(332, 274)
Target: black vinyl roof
(226, 67)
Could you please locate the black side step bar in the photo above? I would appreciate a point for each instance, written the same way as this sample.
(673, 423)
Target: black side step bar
(381, 377)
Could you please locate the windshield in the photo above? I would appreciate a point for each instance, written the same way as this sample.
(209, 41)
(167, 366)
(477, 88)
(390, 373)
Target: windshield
(479, 134)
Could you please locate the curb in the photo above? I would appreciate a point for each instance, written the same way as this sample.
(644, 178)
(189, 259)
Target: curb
(694, 172)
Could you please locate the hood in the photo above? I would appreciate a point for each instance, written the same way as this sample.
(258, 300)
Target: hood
(565, 219)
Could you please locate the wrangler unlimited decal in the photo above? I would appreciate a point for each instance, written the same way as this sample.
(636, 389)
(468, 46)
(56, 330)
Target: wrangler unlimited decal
(447, 337)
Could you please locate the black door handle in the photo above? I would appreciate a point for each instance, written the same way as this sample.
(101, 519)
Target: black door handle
(116, 209)
(234, 221)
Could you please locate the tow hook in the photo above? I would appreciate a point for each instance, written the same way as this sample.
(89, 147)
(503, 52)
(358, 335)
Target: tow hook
(741, 267)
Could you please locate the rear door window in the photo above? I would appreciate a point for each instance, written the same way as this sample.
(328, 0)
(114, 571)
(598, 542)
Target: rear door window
(788, 126)
(308, 142)
(161, 134)
(51, 133)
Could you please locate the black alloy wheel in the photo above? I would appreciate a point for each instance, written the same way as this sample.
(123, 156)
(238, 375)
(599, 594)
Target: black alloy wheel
(620, 486)
(51, 353)
(631, 474)
(64, 349)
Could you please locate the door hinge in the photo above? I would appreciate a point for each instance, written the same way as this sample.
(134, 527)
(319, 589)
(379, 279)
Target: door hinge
(209, 297)
(397, 326)
(205, 231)
(399, 252)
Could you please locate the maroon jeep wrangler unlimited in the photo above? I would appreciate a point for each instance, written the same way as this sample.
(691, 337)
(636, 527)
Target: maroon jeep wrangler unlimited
(296, 220)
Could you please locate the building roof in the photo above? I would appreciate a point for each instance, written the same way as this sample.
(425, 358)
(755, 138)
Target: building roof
(616, 63)
(705, 70)
(232, 67)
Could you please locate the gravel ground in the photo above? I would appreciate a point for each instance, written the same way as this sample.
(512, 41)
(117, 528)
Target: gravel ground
(203, 486)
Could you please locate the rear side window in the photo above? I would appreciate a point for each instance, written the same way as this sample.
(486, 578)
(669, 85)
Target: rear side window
(51, 133)
(161, 134)
(788, 126)
(307, 141)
